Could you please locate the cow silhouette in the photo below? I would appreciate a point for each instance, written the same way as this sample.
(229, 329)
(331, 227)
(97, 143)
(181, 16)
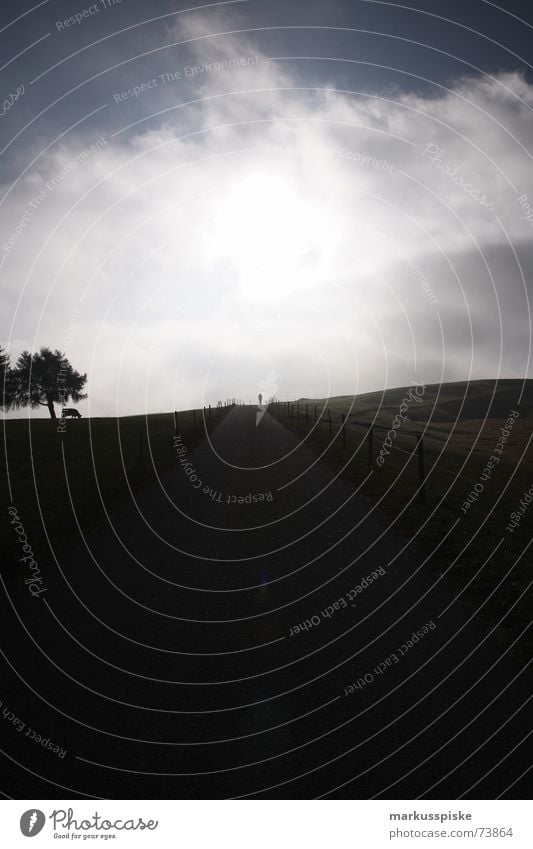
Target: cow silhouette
(70, 412)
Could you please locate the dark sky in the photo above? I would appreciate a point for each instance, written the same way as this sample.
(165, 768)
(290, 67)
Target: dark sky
(389, 46)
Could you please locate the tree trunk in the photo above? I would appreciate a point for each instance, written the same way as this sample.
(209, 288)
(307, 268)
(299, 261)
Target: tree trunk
(50, 405)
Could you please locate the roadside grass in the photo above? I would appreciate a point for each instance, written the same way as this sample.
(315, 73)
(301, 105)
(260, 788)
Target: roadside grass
(473, 550)
(54, 479)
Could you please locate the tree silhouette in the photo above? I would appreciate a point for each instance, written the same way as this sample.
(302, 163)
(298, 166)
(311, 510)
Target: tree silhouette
(45, 378)
(5, 380)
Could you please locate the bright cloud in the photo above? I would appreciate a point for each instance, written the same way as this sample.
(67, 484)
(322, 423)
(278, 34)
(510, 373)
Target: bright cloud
(343, 241)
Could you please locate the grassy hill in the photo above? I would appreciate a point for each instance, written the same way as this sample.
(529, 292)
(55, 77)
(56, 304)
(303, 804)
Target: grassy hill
(442, 402)
(464, 416)
(58, 479)
(461, 427)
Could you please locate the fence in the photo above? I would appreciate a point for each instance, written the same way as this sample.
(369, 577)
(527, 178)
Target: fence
(296, 411)
(205, 414)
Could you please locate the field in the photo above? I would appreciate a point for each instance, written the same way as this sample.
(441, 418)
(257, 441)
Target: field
(56, 480)
(461, 426)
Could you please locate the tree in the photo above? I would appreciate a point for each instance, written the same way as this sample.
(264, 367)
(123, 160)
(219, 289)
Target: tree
(5, 380)
(45, 378)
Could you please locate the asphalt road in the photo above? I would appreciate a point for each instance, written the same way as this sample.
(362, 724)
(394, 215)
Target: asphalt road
(206, 643)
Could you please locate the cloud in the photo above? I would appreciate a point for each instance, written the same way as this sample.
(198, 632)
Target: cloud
(264, 227)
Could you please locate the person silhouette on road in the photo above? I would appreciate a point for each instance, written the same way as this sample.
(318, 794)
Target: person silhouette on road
(260, 399)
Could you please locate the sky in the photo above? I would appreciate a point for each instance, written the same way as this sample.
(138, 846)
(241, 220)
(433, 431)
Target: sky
(299, 198)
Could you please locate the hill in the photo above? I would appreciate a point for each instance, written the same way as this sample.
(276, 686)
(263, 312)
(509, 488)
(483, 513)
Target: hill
(59, 481)
(444, 402)
(470, 444)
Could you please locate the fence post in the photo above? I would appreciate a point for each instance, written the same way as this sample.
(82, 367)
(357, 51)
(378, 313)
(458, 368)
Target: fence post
(175, 422)
(329, 419)
(288, 409)
(370, 445)
(141, 446)
(421, 469)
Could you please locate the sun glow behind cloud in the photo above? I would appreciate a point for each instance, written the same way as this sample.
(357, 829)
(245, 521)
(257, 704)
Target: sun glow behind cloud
(274, 240)
(289, 229)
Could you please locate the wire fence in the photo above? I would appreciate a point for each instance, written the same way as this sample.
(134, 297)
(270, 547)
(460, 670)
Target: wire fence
(192, 418)
(372, 431)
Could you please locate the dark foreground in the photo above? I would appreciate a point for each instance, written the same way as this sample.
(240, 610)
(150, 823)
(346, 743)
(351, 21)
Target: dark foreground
(247, 630)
